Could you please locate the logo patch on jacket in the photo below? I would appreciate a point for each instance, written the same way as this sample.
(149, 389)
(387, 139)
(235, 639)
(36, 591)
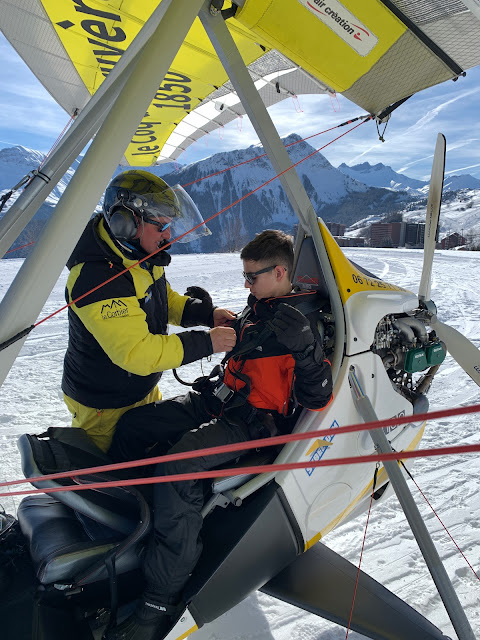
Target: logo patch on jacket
(114, 309)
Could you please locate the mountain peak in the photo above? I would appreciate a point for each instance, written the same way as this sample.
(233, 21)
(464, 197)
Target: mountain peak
(381, 175)
(21, 155)
(364, 166)
(292, 137)
(464, 181)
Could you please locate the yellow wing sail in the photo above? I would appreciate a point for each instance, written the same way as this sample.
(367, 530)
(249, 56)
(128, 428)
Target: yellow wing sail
(374, 52)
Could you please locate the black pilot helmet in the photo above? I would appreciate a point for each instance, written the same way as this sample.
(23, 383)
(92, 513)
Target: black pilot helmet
(136, 195)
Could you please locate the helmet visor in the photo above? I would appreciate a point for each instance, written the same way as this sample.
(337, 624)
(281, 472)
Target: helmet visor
(187, 224)
(172, 205)
(156, 204)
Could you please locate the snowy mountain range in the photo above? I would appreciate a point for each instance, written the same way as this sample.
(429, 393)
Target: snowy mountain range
(381, 175)
(343, 194)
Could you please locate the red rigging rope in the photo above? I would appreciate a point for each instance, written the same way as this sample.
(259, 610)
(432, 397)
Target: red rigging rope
(357, 579)
(290, 144)
(22, 247)
(257, 444)
(27, 330)
(265, 468)
(440, 520)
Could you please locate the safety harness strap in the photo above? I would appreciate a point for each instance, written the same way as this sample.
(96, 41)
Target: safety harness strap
(311, 304)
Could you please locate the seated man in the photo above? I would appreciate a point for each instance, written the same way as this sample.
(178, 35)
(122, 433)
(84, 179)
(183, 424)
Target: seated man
(276, 367)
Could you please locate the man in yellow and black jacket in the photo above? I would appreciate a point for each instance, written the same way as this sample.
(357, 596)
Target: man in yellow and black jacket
(276, 368)
(118, 344)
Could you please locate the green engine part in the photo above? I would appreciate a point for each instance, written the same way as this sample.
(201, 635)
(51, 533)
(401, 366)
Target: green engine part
(415, 360)
(435, 354)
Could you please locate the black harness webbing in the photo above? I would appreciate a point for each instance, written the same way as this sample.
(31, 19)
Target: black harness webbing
(206, 385)
(313, 303)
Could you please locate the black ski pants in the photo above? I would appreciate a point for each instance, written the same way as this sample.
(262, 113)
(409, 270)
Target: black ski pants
(177, 425)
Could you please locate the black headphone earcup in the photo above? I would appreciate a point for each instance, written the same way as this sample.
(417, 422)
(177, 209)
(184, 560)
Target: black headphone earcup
(123, 224)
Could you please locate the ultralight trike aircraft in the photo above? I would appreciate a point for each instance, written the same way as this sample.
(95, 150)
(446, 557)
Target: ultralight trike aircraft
(206, 63)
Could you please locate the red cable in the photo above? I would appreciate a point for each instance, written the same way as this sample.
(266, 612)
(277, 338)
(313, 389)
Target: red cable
(448, 532)
(22, 247)
(265, 468)
(269, 442)
(234, 166)
(276, 440)
(197, 226)
(361, 556)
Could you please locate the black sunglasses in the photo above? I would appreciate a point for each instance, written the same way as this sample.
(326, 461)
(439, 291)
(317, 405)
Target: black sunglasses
(163, 225)
(251, 275)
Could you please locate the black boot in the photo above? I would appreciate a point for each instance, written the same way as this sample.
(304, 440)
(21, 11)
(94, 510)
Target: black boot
(150, 621)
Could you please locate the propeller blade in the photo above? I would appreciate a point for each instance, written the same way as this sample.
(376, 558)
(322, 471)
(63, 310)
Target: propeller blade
(460, 348)
(433, 214)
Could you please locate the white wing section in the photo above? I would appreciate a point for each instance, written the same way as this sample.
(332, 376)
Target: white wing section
(31, 33)
(276, 78)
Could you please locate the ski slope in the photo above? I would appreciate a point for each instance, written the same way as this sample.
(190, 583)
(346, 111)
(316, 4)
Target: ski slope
(31, 402)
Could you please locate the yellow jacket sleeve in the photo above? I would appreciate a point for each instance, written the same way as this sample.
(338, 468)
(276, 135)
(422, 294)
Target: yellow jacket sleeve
(124, 336)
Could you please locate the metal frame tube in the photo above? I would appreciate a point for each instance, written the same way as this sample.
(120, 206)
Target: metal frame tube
(76, 138)
(36, 278)
(432, 559)
(243, 84)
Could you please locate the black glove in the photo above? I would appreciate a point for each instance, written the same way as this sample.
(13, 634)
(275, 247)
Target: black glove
(198, 292)
(292, 329)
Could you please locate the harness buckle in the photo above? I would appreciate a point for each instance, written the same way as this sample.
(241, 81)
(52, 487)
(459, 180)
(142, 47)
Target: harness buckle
(223, 392)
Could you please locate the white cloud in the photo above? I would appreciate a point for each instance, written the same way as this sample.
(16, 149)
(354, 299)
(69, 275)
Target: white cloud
(471, 166)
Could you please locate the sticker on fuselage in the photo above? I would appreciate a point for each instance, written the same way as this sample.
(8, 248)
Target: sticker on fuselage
(317, 450)
(374, 283)
(388, 430)
(343, 23)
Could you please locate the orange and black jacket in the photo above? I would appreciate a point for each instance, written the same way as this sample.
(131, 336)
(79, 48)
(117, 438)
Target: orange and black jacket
(276, 380)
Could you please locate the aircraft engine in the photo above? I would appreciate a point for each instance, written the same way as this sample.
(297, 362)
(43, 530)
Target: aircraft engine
(406, 349)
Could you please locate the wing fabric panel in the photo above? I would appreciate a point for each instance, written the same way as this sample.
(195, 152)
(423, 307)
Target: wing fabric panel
(29, 30)
(407, 79)
(314, 45)
(96, 34)
(398, 65)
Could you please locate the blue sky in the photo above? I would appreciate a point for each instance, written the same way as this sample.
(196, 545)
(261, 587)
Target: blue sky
(30, 117)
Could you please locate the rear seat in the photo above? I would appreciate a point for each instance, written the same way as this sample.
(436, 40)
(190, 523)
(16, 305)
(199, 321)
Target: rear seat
(71, 533)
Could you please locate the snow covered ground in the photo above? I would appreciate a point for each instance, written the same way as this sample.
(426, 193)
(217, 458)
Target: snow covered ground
(30, 402)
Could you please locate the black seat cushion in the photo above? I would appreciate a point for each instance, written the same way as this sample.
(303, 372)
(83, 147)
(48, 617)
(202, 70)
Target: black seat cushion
(115, 508)
(61, 546)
